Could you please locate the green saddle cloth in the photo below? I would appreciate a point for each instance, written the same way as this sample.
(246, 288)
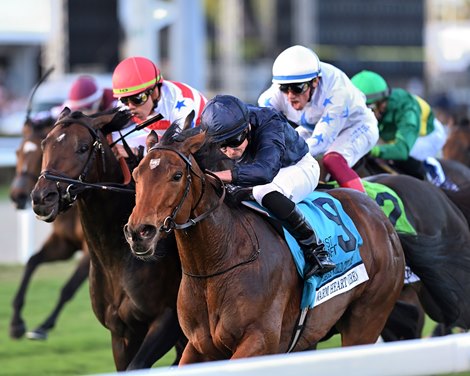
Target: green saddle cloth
(391, 205)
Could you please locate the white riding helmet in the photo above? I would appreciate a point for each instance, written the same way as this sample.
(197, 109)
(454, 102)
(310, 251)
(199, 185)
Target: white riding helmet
(296, 64)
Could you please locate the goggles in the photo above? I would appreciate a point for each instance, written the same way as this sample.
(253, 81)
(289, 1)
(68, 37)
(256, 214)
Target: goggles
(235, 141)
(373, 106)
(296, 88)
(138, 99)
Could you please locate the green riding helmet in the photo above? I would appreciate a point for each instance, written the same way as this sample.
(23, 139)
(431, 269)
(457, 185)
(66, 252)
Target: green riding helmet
(372, 85)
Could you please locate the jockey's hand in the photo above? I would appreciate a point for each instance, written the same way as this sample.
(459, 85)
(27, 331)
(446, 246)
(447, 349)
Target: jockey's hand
(119, 151)
(239, 194)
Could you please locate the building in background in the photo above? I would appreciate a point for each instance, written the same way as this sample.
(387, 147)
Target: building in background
(229, 45)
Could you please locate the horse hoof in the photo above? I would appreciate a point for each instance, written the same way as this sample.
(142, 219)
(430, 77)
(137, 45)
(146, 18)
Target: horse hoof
(17, 331)
(37, 335)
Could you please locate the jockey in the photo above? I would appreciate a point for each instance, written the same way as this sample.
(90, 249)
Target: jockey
(412, 135)
(139, 85)
(270, 157)
(85, 95)
(330, 112)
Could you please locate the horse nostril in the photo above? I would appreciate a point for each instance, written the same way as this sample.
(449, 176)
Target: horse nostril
(146, 231)
(142, 232)
(21, 200)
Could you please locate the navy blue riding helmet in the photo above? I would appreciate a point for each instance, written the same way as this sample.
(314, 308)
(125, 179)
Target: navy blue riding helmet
(224, 117)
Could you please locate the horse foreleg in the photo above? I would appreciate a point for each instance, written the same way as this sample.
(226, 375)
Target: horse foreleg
(122, 354)
(67, 293)
(191, 355)
(256, 343)
(161, 337)
(17, 325)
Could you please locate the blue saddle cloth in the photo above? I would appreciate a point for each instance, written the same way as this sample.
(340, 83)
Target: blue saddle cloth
(335, 229)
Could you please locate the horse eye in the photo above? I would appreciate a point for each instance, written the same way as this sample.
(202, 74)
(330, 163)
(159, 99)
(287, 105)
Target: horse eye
(83, 149)
(177, 176)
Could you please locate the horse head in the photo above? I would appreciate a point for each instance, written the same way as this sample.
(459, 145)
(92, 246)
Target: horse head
(75, 151)
(177, 185)
(29, 159)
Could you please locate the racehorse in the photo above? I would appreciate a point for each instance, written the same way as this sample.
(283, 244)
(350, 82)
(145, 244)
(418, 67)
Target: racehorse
(136, 301)
(240, 293)
(457, 146)
(64, 241)
(455, 171)
(447, 227)
(440, 252)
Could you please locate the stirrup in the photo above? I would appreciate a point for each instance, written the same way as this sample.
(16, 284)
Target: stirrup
(319, 263)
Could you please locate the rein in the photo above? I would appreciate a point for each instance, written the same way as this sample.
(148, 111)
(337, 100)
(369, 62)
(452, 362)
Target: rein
(77, 186)
(169, 223)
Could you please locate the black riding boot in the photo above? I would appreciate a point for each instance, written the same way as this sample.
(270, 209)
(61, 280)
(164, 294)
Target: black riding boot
(317, 260)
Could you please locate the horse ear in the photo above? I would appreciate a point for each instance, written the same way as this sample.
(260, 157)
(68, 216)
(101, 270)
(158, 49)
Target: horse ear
(110, 120)
(188, 122)
(65, 112)
(151, 140)
(194, 143)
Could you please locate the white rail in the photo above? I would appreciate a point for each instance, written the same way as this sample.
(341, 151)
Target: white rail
(417, 357)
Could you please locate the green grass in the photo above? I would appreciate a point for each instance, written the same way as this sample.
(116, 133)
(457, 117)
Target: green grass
(79, 345)
(4, 191)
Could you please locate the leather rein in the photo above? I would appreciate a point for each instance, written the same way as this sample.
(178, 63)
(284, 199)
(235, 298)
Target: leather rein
(77, 186)
(169, 224)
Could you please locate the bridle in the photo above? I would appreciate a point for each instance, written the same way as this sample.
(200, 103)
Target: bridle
(169, 223)
(76, 186)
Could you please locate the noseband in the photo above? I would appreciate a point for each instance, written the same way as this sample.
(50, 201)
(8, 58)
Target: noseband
(169, 224)
(76, 186)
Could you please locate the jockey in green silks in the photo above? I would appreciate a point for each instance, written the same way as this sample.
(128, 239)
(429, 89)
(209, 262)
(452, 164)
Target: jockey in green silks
(411, 136)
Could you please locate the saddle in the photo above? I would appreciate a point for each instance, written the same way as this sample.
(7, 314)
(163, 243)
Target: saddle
(350, 270)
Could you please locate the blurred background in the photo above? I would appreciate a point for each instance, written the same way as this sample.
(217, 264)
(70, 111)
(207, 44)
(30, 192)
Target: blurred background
(217, 46)
(228, 46)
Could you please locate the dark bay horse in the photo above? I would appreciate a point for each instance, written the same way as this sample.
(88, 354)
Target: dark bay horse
(136, 301)
(440, 252)
(457, 146)
(442, 238)
(457, 172)
(64, 241)
(232, 303)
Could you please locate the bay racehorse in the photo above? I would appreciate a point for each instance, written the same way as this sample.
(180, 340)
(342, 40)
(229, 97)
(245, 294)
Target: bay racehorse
(65, 240)
(136, 301)
(240, 293)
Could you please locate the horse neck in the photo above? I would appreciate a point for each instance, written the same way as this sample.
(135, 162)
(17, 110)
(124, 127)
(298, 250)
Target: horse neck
(222, 239)
(103, 213)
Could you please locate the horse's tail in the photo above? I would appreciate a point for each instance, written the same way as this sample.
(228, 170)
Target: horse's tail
(442, 268)
(461, 199)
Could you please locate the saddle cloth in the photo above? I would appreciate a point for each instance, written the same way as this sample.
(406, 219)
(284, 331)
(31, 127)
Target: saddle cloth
(335, 229)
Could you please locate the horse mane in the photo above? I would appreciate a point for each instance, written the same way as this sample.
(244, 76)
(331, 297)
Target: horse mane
(118, 121)
(174, 133)
(208, 157)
